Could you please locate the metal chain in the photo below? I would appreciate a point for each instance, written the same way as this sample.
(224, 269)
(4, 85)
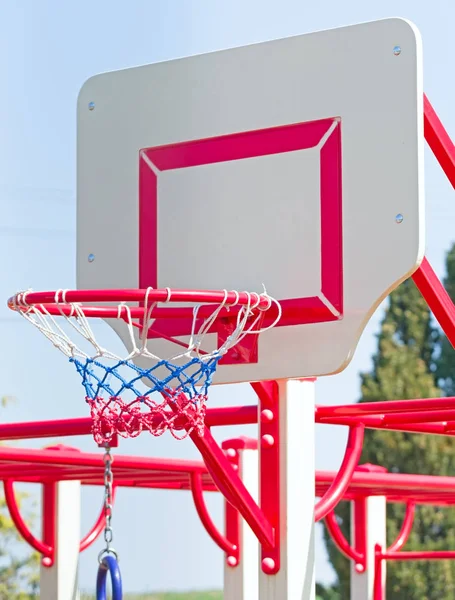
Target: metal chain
(108, 482)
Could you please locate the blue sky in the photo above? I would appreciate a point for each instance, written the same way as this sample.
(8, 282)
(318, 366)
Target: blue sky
(47, 50)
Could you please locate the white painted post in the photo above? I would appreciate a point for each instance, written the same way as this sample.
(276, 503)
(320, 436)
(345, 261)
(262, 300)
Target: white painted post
(295, 579)
(60, 582)
(375, 520)
(241, 582)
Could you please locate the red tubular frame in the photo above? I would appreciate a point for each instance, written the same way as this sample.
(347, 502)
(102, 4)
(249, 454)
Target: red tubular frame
(405, 530)
(49, 511)
(437, 298)
(439, 141)
(215, 417)
(201, 508)
(343, 478)
(45, 548)
(232, 487)
(434, 415)
(340, 541)
(443, 309)
(59, 302)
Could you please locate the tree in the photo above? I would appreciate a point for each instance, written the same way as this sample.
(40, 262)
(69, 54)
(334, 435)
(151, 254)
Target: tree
(404, 368)
(19, 573)
(445, 370)
(19, 567)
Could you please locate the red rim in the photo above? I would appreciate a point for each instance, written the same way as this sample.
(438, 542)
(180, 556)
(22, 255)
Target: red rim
(60, 302)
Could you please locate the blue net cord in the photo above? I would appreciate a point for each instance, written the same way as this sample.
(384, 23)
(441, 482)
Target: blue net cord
(126, 399)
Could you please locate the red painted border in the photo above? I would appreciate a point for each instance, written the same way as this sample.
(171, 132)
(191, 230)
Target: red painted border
(241, 146)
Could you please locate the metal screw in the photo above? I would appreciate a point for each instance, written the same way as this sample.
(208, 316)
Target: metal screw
(91, 257)
(399, 218)
(91, 106)
(397, 50)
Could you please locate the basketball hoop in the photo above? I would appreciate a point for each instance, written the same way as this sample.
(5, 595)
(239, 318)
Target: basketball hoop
(144, 391)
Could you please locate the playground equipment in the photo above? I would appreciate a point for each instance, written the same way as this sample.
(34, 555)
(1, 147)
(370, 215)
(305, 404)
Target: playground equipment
(281, 174)
(368, 489)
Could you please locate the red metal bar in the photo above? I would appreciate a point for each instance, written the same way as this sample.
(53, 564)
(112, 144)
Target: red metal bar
(343, 478)
(232, 487)
(10, 498)
(201, 508)
(379, 587)
(59, 303)
(337, 536)
(43, 429)
(269, 468)
(231, 415)
(378, 422)
(405, 530)
(439, 141)
(231, 514)
(360, 509)
(431, 428)
(383, 483)
(437, 298)
(384, 407)
(420, 555)
(71, 458)
(422, 416)
(49, 520)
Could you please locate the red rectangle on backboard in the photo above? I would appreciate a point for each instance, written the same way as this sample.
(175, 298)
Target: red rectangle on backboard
(325, 135)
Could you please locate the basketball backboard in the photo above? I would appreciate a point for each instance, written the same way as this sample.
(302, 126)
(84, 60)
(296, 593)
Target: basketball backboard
(295, 163)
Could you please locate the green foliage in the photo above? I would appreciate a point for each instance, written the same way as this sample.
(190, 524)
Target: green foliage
(445, 371)
(327, 593)
(404, 367)
(18, 568)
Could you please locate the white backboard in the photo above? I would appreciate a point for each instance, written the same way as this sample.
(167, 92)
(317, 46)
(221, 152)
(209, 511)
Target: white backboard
(295, 163)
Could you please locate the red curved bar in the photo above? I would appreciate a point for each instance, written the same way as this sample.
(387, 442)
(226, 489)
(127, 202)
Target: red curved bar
(339, 539)
(96, 529)
(198, 497)
(59, 303)
(10, 498)
(405, 530)
(343, 478)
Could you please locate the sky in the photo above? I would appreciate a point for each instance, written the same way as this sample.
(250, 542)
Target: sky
(47, 50)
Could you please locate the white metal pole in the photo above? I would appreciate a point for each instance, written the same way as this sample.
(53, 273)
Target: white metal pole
(375, 533)
(241, 581)
(60, 582)
(295, 579)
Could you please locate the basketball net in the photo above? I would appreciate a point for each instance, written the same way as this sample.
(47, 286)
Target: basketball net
(144, 391)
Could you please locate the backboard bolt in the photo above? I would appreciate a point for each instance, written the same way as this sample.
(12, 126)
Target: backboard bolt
(91, 257)
(399, 218)
(397, 50)
(91, 106)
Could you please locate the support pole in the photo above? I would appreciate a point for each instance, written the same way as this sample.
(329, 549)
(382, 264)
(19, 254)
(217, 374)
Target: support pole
(368, 528)
(241, 579)
(61, 514)
(295, 579)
